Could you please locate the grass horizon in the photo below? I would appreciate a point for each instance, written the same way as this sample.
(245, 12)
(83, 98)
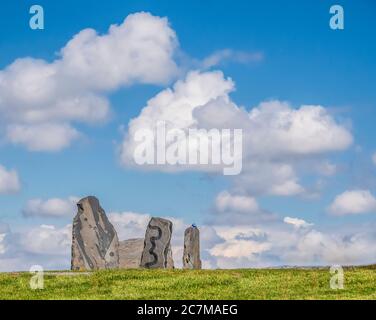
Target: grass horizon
(177, 284)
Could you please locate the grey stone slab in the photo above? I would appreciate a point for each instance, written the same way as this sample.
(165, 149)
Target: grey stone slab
(157, 251)
(95, 243)
(191, 255)
(130, 252)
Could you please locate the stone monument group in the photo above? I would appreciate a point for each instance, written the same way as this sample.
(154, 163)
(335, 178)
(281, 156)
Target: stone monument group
(95, 244)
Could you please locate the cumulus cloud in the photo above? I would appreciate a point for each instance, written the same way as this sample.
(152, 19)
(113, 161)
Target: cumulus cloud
(9, 181)
(129, 225)
(42, 137)
(139, 50)
(314, 247)
(353, 202)
(297, 223)
(54, 207)
(40, 101)
(224, 55)
(239, 249)
(230, 208)
(278, 245)
(45, 245)
(275, 135)
(277, 139)
(47, 239)
(307, 130)
(269, 177)
(175, 108)
(227, 202)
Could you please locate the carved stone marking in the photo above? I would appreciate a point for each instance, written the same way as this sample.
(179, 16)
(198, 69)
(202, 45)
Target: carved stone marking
(191, 256)
(95, 243)
(130, 252)
(157, 245)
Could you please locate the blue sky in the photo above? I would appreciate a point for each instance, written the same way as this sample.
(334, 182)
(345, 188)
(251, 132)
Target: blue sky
(303, 62)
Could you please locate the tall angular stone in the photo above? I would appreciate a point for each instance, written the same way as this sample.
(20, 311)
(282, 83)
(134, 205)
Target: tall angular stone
(157, 251)
(130, 252)
(191, 255)
(95, 243)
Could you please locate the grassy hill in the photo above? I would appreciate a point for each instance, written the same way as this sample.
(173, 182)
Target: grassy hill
(360, 283)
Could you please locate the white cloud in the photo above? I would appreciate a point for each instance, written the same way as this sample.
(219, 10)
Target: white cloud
(239, 249)
(42, 137)
(54, 207)
(348, 247)
(353, 202)
(269, 177)
(276, 128)
(45, 245)
(297, 223)
(224, 55)
(227, 202)
(278, 139)
(278, 245)
(9, 181)
(239, 232)
(39, 100)
(276, 136)
(232, 208)
(47, 239)
(140, 50)
(129, 225)
(374, 158)
(175, 107)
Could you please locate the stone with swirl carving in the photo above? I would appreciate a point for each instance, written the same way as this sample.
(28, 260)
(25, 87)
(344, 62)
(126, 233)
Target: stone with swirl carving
(157, 245)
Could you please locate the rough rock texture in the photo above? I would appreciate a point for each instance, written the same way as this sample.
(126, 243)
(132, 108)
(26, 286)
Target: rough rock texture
(95, 243)
(157, 246)
(130, 252)
(191, 255)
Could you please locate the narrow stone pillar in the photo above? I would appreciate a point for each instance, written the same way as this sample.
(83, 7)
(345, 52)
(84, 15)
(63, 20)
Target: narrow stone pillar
(191, 256)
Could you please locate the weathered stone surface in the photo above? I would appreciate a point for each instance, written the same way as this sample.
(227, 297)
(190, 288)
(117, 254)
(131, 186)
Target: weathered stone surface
(95, 243)
(191, 255)
(130, 252)
(157, 246)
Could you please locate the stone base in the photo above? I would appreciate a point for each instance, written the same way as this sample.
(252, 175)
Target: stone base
(130, 252)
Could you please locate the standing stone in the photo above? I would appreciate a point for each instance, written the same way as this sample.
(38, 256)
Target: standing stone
(157, 251)
(95, 243)
(130, 252)
(191, 256)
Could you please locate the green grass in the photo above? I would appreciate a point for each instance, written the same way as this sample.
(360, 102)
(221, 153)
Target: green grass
(360, 283)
